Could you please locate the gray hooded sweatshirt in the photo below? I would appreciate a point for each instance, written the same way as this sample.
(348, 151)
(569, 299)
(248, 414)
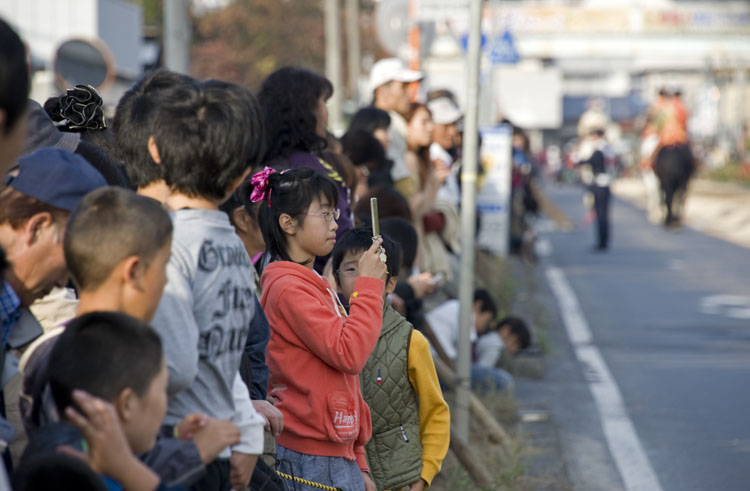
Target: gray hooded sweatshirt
(203, 320)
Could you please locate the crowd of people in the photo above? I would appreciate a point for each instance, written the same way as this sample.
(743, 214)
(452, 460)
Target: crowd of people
(194, 281)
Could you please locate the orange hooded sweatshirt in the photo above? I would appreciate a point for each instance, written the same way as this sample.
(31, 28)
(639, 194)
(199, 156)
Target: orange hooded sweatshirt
(315, 355)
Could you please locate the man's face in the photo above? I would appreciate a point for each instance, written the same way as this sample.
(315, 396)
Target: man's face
(517, 142)
(394, 96)
(445, 135)
(482, 320)
(11, 141)
(383, 136)
(510, 340)
(37, 258)
(143, 420)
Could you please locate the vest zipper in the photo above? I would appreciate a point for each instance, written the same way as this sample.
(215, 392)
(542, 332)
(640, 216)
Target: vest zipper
(403, 433)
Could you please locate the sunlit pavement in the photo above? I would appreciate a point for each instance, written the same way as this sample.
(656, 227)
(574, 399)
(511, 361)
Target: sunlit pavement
(718, 209)
(669, 311)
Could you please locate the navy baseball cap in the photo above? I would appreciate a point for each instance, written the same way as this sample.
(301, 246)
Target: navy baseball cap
(56, 177)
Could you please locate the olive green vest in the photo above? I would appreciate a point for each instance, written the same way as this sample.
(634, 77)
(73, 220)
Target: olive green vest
(394, 453)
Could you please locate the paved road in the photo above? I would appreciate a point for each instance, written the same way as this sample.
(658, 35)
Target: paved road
(718, 209)
(667, 312)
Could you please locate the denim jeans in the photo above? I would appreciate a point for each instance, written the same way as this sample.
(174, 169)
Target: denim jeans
(485, 379)
(330, 471)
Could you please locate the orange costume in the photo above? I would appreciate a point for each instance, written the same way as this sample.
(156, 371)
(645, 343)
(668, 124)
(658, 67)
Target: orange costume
(673, 130)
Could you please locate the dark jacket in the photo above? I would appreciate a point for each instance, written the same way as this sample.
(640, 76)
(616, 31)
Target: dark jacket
(48, 439)
(255, 349)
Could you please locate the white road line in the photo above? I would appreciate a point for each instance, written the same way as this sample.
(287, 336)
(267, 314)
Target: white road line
(627, 451)
(732, 306)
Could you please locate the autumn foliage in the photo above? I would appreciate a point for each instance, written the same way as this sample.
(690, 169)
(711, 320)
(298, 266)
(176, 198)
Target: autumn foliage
(249, 39)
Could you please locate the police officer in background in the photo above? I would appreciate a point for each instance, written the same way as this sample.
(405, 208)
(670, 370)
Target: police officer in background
(596, 173)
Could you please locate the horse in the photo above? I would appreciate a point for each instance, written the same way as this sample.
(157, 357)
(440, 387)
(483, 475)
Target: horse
(674, 166)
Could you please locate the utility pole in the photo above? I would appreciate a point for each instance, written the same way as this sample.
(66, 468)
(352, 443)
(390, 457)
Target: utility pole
(177, 35)
(334, 71)
(468, 220)
(352, 34)
(415, 54)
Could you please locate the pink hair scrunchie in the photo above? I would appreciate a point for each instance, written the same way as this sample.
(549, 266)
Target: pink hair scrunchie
(261, 189)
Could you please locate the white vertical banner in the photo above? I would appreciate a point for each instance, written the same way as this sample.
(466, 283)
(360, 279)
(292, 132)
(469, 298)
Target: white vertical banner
(493, 200)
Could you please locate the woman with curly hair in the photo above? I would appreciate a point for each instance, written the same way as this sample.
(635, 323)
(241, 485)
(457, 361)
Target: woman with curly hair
(293, 104)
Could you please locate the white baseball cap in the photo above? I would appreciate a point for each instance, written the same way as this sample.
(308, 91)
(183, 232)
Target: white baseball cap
(444, 111)
(389, 69)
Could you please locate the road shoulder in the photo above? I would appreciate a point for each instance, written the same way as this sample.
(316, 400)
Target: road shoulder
(571, 443)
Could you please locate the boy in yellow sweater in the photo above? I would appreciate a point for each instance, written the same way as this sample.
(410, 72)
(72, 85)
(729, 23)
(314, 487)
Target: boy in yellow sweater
(410, 418)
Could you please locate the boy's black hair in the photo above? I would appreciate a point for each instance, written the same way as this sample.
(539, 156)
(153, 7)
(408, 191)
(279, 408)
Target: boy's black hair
(391, 202)
(369, 119)
(208, 135)
(103, 353)
(241, 197)
(359, 240)
(518, 328)
(487, 304)
(134, 120)
(56, 470)
(292, 192)
(14, 77)
(288, 99)
(109, 225)
(405, 235)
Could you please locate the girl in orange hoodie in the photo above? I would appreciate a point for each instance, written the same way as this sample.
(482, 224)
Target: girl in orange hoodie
(316, 351)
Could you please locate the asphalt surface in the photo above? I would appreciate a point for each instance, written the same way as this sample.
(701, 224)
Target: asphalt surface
(669, 311)
(719, 209)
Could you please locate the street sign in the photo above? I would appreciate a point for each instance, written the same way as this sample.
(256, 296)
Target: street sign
(465, 42)
(493, 200)
(503, 49)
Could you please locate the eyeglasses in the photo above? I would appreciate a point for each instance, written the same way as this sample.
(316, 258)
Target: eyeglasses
(327, 215)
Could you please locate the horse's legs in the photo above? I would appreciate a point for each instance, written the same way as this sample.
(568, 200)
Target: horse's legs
(669, 193)
(678, 204)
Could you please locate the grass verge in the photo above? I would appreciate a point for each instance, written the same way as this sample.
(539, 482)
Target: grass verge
(735, 172)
